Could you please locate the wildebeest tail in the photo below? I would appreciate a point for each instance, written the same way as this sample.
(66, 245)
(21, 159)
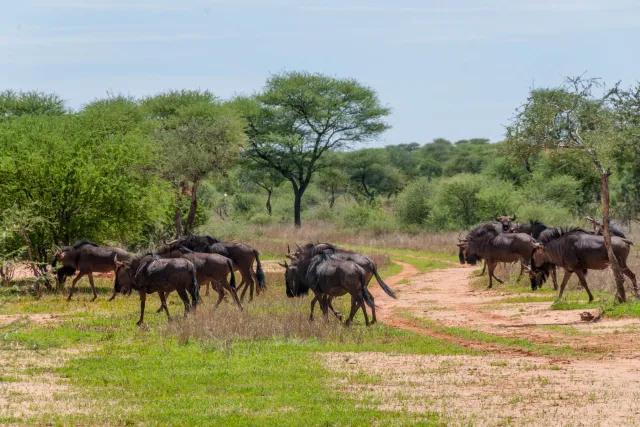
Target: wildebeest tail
(262, 281)
(232, 282)
(383, 285)
(461, 256)
(195, 288)
(368, 298)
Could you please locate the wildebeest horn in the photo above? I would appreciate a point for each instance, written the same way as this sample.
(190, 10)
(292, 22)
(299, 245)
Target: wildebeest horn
(299, 248)
(513, 218)
(461, 245)
(170, 243)
(288, 249)
(115, 258)
(593, 221)
(57, 248)
(291, 257)
(283, 265)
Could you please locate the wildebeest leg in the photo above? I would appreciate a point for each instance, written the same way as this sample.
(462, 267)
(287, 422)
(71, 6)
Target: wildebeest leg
(163, 301)
(554, 276)
(254, 278)
(114, 294)
(484, 268)
(143, 297)
(567, 275)
(182, 292)
(73, 284)
(521, 271)
(364, 309)
(335, 313)
(248, 282)
(583, 282)
(354, 309)
(492, 269)
(93, 288)
(220, 297)
(208, 286)
(313, 305)
(627, 272)
(232, 291)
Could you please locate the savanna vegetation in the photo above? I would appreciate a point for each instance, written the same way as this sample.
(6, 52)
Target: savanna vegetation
(289, 163)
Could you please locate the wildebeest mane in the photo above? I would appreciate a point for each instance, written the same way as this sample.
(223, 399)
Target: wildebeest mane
(551, 234)
(80, 243)
(194, 243)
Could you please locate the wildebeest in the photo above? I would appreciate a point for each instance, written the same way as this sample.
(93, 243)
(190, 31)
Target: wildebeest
(533, 228)
(214, 268)
(505, 221)
(87, 258)
(536, 229)
(493, 248)
(489, 227)
(242, 255)
(371, 269)
(598, 228)
(577, 251)
(327, 276)
(149, 274)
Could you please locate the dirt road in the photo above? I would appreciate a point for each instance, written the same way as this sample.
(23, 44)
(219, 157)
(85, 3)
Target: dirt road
(592, 379)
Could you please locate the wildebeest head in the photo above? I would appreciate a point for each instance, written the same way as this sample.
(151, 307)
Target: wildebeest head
(506, 221)
(124, 276)
(462, 245)
(294, 287)
(540, 268)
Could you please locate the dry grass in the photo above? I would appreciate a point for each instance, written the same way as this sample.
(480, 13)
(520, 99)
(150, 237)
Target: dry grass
(270, 316)
(274, 239)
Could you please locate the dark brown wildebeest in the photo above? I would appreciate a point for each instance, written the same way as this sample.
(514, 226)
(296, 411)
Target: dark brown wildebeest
(371, 269)
(212, 268)
(242, 255)
(148, 274)
(495, 248)
(536, 229)
(577, 251)
(505, 221)
(87, 258)
(490, 227)
(328, 277)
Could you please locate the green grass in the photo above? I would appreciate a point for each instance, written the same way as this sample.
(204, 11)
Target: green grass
(129, 375)
(525, 299)
(506, 342)
(422, 264)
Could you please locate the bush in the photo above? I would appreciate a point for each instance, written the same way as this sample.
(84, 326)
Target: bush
(262, 219)
(458, 196)
(356, 216)
(412, 205)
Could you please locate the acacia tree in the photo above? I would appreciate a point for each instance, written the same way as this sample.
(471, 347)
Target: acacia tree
(266, 178)
(32, 103)
(334, 183)
(572, 117)
(199, 137)
(300, 116)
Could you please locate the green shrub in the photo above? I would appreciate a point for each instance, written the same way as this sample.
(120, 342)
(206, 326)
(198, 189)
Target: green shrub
(412, 205)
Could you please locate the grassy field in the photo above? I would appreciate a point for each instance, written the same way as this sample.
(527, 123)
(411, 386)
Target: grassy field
(259, 367)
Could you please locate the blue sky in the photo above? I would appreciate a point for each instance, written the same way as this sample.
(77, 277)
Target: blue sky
(453, 69)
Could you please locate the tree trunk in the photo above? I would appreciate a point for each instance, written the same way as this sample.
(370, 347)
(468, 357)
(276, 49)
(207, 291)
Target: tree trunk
(188, 228)
(613, 261)
(269, 192)
(332, 200)
(297, 208)
(178, 213)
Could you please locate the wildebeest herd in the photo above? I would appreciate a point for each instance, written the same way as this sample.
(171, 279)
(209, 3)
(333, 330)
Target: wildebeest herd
(187, 263)
(541, 249)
